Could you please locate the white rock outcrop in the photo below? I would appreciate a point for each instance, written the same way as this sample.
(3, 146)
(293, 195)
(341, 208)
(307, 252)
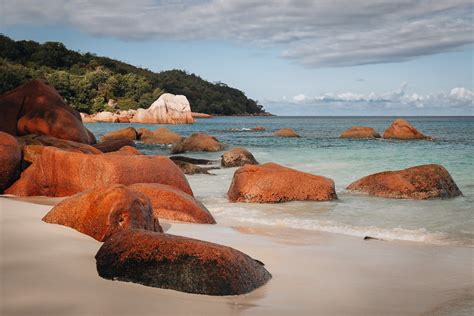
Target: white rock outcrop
(168, 109)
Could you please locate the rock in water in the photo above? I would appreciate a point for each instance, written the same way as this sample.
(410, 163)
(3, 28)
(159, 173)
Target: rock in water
(103, 212)
(161, 135)
(360, 132)
(10, 160)
(197, 142)
(170, 203)
(123, 133)
(286, 132)
(272, 183)
(37, 108)
(401, 129)
(238, 157)
(61, 173)
(179, 263)
(168, 109)
(419, 183)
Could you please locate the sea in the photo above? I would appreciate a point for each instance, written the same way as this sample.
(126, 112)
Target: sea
(320, 151)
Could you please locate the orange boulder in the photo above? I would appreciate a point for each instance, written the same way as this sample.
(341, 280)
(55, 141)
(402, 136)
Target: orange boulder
(286, 132)
(419, 183)
(33, 145)
(37, 108)
(179, 263)
(161, 135)
(60, 173)
(401, 129)
(170, 203)
(237, 157)
(127, 150)
(123, 133)
(10, 160)
(103, 212)
(112, 145)
(197, 142)
(360, 132)
(272, 183)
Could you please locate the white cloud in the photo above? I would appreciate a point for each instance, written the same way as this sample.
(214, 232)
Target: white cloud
(458, 98)
(314, 33)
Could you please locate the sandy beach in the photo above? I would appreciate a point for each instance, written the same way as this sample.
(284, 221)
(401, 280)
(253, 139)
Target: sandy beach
(50, 270)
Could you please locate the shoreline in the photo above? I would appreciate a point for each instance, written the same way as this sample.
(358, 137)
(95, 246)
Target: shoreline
(50, 269)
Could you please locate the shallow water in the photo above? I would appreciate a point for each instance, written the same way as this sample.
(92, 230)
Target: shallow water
(320, 151)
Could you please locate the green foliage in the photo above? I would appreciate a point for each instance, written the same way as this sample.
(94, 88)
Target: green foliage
(87, 81)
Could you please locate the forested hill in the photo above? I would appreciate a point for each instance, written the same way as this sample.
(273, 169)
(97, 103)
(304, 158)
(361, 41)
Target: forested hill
(88, 81)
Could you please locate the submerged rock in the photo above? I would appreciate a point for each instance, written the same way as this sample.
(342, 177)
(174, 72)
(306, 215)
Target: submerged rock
(60, 173)
(238, 157)
(419, 183)
(37, 108)
(286, 132)
(272, 183)
(360, 132)
(401, 129)
(197, 142)
(179, 263)
(173, 204)
(10, 160)
(103, 212)
(168, 109)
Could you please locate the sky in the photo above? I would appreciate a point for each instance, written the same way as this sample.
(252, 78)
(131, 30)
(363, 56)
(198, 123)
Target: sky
(300, 57)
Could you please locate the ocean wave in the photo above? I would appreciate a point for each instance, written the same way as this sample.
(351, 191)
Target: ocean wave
(397, 233)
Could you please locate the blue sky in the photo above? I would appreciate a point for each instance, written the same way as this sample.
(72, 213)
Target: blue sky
(295, 57)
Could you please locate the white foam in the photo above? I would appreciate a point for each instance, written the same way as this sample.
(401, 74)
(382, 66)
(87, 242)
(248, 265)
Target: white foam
(253, 217)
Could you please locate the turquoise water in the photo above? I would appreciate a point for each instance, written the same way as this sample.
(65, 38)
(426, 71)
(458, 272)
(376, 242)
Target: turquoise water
(320, 151)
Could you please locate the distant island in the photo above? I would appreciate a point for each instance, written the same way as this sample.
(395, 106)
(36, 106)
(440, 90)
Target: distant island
(88, 82)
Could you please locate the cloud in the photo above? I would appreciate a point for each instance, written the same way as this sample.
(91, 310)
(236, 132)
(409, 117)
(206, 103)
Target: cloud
(459, 99)
(314, 33)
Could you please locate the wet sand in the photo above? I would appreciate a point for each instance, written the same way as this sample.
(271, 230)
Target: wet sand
(50, 270)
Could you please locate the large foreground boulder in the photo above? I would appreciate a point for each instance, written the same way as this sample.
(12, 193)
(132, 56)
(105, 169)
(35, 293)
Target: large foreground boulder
(60, 173)
(401, 129)
(161, 135)
(123, 133)
(237, 157)
(286, 132)
(10, 160)
(168, 109)
(360, 132)
(179, 263)
(197, 142)
(37, 108)
(103, 212)
(419, 183)
(170, 203)
(272, 183)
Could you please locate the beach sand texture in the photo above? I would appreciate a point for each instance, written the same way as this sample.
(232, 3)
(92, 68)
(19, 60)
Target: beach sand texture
(50, 270)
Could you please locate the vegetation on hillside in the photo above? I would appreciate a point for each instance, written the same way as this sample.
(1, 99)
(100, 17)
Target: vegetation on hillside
(88, 81)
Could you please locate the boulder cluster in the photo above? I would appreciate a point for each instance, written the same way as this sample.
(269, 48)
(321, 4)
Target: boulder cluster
(167, 109)
(399, 129)
(116, 195)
